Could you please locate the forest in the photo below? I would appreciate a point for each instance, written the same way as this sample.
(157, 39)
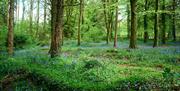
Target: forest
(89, 45)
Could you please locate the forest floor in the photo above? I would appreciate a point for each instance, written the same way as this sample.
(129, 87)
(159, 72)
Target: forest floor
(92, 67)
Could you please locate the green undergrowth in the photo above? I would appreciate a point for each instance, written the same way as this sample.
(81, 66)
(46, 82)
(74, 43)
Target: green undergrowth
(96, 69)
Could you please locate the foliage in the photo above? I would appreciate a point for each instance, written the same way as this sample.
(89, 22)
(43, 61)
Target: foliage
(96, 68)
(94, 65)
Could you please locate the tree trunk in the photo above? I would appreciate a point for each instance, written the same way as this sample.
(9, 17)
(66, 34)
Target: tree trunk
(106, 21)
(156, 25)
(128, 22)
(116, 26)
(17, 15)
(163, 24)
(17, 10)
(43, 32)
(31, 16)
(174, 21)
(133, 24)
(145, 24)
(80, 21)
(24, 8)
(37, 30)
(45, 9)
(10, 28)
(57, 10)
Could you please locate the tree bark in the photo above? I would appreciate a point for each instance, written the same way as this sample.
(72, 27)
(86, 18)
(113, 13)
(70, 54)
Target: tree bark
(133, 24)
(57, 10)
(156, 25)
(10, 28)
(116, 26)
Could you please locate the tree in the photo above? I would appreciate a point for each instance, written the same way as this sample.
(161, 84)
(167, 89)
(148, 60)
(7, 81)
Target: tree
(174, 20)
(68, 26)
(17, 5)
(133, 24)
(38, 2)
(108, 17)
(10, 27)
(42, 33)
(116, 26)
(45, 15)
(145, 23)
(128, 21)
(24, 8)
(80, 21)
(57, 10)
(31, 15)
(106, 21)
(163, 24)
(156, 24)
(17, 10)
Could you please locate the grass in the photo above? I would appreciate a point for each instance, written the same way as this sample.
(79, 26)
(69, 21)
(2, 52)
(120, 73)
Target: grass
(94, 67)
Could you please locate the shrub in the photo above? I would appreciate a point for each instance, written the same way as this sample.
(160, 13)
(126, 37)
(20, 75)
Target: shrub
(92, 63)
(19, 41)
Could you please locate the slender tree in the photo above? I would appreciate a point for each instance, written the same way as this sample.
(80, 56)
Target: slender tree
(128, 21)
(37, 30)
(10, 27)
(156, 25)
(108, 17)
(106, 20)
(43, 32)
(45, 14)
(145, 23)
(57, 10)
(24, 8)
(80, 21)
(163, 24)
(133, 24)
(116, 26)
(17, 10)
(174, 21)
(31, 15)
(16, 19)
